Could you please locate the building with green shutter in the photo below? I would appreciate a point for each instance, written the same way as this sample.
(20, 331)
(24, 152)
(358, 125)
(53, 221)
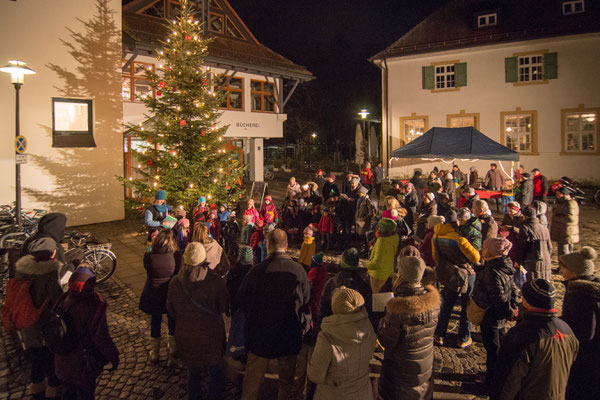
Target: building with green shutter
(525, 73)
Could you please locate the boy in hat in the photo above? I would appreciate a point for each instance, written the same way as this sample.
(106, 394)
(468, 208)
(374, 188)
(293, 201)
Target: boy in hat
(381, 260)
(581, 308)
(536, 355)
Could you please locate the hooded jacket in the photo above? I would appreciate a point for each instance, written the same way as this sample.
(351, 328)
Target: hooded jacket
(44, 287)
(307, 250)
(565, 221)
(406, 333)
(351, 279)
(160, 267)
(471, 230)
(383, 255)
(489, 227)
(199, 335)
(535, 249)
(494, 287)
(425, 210)
(581, 310)
(340, 361)
(216, 258)
(526, 192)
(51, 225)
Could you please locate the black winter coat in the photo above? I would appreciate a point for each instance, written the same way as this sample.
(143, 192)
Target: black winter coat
(535, 249)
(424, 212)
(494, 287)
(581, 310)
(275, 296)
(53, 226)
(236, 275)
(406, 333)
(526, 192)
(352, 280)
(160, 268)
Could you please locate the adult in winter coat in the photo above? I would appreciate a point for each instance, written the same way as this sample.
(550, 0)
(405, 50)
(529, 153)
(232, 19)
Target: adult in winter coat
(366, 176)
(340, 361)
(231, 234)
(365, 211)
(450, 187)
(426, 246)
(156, 213)
(459, 177)
(381, 260)
(215, 256)
(468, 197)
(406, 333)
(378, 178)
(419, 184)
(540, 185)
(494, 179)
(79, 369)
(275, 296)
(197, 298)
(536, 355)
(42, 270)
(428, 207)
(493, 292)
(411, 202)
(473, 177)
(565, 222)
(525, 196)
(330, 188)
(236, 275)
(541, 208)
(581, 310)
(161, 263)
(454, 257)
(489, 227)
(53, 226)
(535, 247)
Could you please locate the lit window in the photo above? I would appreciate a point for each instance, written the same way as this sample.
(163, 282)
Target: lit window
(413, 128)
(234, 90)
(531, 68)
(72, 123)
(444, 76)
(134, 85)
(518, 132)
(262, 96)
(580, 132)
(460, 122)
(573, 7)
(487, 20)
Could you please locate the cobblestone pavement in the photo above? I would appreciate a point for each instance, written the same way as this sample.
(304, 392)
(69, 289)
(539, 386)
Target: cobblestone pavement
(457, 372)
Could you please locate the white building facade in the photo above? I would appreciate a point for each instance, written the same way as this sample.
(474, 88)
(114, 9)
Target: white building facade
(536, 92)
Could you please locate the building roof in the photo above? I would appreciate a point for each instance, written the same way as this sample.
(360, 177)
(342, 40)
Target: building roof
(453, 25)
(245, 53)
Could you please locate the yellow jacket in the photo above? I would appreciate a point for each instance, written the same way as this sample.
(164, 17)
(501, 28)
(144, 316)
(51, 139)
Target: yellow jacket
(307, 251)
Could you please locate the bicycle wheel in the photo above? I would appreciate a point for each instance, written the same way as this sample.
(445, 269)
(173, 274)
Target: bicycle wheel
(102, 261)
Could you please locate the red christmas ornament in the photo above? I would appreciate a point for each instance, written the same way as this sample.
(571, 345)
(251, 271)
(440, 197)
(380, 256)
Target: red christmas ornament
(182, 122)
(158, 93)
(149, 163)
(162, 84)
(207, 174)
(188, 38)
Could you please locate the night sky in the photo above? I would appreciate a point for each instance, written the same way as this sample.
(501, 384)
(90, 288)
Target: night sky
(334, 39)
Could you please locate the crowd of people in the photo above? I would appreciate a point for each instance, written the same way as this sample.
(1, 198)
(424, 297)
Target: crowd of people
(430, 244)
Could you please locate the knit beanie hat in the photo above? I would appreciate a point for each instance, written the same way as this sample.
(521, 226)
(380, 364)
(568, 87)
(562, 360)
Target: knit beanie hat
(539, 293)
(410, 250)
(317, 259)
(195, 254)
(346, 301)
(411, 269)
(160, 195)
(498, 246)
(42, 248)
(580, 262)
(433, 220)
(349, 259)
(387, 214)
(202, 199)
(307, 232)
(268, 197)
(451, 216)
(430, 196)
(386, 226)
(81, 277)
(246, 254)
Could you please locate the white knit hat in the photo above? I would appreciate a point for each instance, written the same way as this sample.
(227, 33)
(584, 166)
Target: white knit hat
(195, 254)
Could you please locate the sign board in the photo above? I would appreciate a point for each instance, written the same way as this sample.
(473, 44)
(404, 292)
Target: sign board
(20, 144)
(21, 158)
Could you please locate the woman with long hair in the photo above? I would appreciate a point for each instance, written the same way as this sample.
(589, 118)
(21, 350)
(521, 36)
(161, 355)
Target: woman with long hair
(215, 256)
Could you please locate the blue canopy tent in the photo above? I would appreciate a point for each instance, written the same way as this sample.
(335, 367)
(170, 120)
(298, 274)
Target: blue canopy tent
(462, 143)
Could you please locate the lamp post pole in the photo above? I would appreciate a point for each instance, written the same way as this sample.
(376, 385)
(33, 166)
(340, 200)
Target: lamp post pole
(17, 165)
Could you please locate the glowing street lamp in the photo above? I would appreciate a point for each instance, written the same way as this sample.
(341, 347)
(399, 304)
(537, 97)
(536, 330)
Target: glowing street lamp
(17, 71)
(364, 113)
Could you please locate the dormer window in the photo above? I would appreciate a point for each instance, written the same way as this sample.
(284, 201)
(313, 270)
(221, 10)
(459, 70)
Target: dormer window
(485, 20)
(573, 7)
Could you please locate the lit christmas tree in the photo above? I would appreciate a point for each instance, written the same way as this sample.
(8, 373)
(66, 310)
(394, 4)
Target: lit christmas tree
(184, 153)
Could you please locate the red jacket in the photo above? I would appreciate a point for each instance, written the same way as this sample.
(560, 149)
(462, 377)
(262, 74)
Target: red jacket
(326, 224)
(366, 176)
(257, 238)
(318, 277)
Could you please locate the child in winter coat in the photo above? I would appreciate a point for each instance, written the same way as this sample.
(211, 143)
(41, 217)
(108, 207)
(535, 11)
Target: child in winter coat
(201, 211)
(308, 249)
(381, 260)
(258, 237)
(340, 362)
(251, 210)
(181, 230)
(268, 212)
(214, 225)
(425, 247)
(236, 275)
(291, 219)
(223, 214)
(327, 228)
(231, 235)
(247, 229)
(317, 275)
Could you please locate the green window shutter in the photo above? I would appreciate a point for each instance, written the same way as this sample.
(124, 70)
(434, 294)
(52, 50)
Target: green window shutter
(550, 66)
(460, 74)
(429, 77)
(511, 69)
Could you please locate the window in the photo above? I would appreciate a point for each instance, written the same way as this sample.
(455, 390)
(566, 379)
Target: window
(135, 86)
(580, 130)
(487, 20)
(412, 127)
(531, 68)
(462, 119)
(573, 7)
(444, 76)
(519, 130)
(234, 90)
(263, 96)
(72, 123)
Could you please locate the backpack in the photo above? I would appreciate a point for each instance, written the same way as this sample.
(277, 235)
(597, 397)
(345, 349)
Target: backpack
(59, 334)
(18, 311)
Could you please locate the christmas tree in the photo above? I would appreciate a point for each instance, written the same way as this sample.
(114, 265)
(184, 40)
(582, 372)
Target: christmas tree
(184, 152)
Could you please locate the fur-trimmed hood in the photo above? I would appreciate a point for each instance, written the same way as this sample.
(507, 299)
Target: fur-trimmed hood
(429, 300)
(584, 286)
(27, 266)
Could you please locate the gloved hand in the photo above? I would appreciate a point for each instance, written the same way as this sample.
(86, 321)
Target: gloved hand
(114, 365)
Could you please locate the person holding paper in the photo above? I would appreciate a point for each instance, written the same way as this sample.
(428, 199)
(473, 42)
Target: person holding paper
(406, 334)
(156, 213)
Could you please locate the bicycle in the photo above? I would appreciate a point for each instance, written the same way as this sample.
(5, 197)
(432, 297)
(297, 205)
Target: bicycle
(98, 256)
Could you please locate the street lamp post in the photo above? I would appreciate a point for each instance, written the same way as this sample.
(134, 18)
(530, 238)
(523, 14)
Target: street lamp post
(313, 135)
(363, 115)
(17, 71)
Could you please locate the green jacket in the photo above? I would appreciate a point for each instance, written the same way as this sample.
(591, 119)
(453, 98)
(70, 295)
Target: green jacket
(381, 260)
